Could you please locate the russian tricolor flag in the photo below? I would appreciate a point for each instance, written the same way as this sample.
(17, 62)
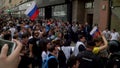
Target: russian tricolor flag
(95, 33)
(32, 11)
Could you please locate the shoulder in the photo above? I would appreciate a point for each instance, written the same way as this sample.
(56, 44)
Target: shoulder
(43, 53)
(31, 40)
(117, 33)
(79, 43)
(85, 54)
(104, 31)
(52, 59)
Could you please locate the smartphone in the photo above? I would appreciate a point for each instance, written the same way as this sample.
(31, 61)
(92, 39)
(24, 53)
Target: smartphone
(11, 45)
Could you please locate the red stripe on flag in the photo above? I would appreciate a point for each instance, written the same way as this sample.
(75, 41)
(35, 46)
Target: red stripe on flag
(35, 15)
(96, 34)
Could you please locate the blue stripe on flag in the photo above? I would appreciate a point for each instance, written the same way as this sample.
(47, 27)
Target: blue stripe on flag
(95, 32)
(32, 11)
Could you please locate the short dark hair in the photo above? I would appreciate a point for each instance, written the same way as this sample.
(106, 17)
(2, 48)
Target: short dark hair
(43, 44)
(80, 36)
(90, 43)
(7, 36)
(114, 29)
(25, 35)
(52, 48)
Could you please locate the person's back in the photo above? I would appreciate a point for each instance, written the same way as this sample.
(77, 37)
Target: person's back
(53, 62)
(89, 60)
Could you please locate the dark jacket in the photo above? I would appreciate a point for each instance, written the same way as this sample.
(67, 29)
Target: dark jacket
(53, 62)
(89, 60)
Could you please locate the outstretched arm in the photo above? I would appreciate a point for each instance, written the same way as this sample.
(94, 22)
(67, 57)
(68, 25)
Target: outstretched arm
(105, 43)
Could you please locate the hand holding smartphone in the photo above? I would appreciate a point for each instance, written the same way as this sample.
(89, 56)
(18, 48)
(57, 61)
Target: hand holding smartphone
(11, 45)
(11, 59)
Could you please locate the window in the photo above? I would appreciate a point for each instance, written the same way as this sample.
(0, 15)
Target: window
(59, 12)
(89, 5)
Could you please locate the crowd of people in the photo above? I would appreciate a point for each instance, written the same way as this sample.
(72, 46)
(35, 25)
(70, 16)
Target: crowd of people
(51, 41)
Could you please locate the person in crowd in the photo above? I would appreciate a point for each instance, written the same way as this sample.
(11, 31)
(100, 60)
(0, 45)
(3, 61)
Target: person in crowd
(74, 29)
(73, 62)
(2, 34)
(87, 29)
(81, 30)
(12, 30)
(7, 35)
(88, 59)
(16, 35)
(45, 45)
(101, 48)
(101, 44)
(35, 53)
(51, 35)
(114, 35)
(53, 62)
(106, 33)
(80, 45)
(23, 30)
(25, 60)
(13, 59)
(61, 55)
(37, 27)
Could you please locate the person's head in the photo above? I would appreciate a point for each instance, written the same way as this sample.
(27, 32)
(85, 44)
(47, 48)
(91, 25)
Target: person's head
(73, 62)
(53, 50)
(25, 37)
(114, 46)
(37, 27)
(35, 34)
(81, 38)
(7, 36)
(91, 44)
(60, 35)
(106, 29)
(16, 35)
(45, 44)
(51, 32)
(113, 30)
(86, 23)
(57, 42)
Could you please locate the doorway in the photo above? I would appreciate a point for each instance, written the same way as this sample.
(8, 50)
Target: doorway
(90, 19)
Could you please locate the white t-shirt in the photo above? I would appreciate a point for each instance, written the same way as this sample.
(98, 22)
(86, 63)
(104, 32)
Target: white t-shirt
(12, 31)
(76, 50)
(106, 34)
(115, 36)
(66, 50)
(44, 55)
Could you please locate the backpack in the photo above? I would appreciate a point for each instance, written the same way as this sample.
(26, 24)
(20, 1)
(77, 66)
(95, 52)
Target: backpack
(45, 62)
(61, 58)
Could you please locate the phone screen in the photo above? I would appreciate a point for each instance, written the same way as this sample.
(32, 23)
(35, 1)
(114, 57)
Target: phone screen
(11, 45)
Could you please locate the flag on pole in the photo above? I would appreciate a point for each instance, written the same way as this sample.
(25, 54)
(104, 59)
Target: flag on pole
(95, 33)
(32, 11)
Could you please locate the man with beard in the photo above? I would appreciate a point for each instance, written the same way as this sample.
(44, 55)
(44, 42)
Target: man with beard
(35, 51)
